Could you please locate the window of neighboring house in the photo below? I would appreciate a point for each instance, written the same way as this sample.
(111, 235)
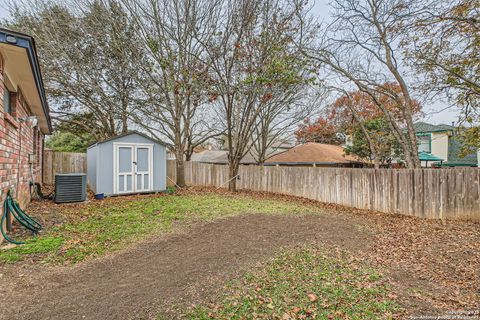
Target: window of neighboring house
(424, 143)
(7, 103)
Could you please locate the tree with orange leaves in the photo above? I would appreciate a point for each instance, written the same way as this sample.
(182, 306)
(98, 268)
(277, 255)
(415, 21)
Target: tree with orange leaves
(321, 130)
(361, 105)
(358, 115)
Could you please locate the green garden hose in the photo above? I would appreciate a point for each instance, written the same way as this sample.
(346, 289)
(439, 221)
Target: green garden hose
(11, 206)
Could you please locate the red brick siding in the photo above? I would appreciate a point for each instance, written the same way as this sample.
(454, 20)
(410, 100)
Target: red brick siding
(17, 137)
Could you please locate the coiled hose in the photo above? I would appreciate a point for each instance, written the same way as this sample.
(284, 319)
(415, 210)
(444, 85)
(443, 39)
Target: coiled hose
(11, 206)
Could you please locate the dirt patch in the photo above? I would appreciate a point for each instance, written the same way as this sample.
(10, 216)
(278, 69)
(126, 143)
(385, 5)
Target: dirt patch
(134, 283)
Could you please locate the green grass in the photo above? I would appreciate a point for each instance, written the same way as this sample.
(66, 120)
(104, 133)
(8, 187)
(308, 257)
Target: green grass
(99, 228)
(303, 284)
(34, 246)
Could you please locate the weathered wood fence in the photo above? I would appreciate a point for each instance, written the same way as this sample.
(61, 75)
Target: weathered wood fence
(62, 162)
(427, 193)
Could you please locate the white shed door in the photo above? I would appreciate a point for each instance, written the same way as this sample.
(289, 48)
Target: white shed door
(133, 168)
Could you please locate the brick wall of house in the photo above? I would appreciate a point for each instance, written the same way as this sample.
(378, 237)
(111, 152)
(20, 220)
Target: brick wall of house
(17, 141)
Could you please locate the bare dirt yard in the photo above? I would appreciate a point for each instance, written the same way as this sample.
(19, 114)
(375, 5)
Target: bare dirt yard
(210, 254)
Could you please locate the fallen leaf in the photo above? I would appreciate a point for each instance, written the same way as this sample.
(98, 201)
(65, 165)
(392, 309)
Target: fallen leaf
(312, 297)
(286, 316)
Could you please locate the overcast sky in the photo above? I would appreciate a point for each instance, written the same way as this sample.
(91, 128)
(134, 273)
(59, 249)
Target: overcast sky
(435, 113)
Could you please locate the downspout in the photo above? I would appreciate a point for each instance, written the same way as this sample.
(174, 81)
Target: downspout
(42, 153)
(19, 157)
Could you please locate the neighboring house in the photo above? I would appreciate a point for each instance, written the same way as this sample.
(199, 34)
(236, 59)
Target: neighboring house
(316, 155)
(438, 142)
(24, 119)
(219, 157)
(275, 148)
(172, 156)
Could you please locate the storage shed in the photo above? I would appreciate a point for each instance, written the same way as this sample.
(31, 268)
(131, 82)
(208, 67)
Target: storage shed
(128, 163)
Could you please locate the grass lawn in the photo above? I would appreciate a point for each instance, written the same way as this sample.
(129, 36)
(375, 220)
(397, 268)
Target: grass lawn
(96, 228)
(426, 275)
(299, 284)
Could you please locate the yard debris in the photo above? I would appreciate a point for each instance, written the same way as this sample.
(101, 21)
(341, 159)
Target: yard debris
(312, 297)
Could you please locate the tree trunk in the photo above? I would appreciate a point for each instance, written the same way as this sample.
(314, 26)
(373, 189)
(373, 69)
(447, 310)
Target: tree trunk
(412, 137)
(407, 154)
(188, 154)
(411, 147)
(262, 157)
(232, 175)
(366, 134)
(180, 168)
(124, 124)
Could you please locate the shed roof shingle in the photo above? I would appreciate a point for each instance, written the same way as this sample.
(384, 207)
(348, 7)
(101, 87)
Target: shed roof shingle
(127, 134)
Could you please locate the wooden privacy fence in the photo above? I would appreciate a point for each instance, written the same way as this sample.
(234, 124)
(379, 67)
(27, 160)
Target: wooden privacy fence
(426, 193)
(62, 162)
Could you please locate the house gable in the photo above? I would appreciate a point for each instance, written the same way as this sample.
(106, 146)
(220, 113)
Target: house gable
(443, 144)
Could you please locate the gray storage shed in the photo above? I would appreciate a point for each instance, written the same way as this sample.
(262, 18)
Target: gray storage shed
(128, 163)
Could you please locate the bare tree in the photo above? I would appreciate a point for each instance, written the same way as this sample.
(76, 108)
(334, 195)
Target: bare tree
(280, 117)
(174, 78)
(89, 77)
(361, 46)
(249, 64)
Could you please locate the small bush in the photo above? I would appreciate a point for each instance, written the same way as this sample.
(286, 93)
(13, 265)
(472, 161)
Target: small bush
(171, 190)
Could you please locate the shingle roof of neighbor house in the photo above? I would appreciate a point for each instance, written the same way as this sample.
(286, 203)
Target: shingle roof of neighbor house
(309, 153)
(219, 156)
(454, 158)
(423, 127)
